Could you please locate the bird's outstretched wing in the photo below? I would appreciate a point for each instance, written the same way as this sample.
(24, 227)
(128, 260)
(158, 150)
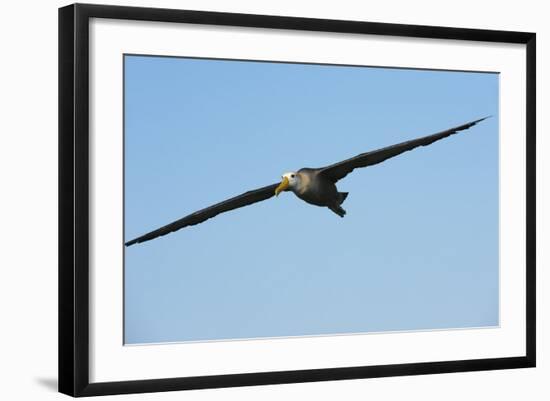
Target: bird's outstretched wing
(339, 170)
(236, 202)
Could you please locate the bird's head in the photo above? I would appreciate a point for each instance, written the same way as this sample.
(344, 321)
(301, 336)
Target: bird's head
(288, 182)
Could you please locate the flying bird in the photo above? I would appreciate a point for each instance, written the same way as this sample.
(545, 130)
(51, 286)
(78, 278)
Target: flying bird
(316, 186)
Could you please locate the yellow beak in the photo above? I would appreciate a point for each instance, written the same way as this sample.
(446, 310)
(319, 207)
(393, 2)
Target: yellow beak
(282, 186)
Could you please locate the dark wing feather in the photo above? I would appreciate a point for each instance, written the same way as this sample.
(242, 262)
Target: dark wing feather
(339, 170)
(236, 202)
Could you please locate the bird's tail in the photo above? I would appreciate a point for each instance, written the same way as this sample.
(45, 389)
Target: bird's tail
(338, 210)
(343, 196)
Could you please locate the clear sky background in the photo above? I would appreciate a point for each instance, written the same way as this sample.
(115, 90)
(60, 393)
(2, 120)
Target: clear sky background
(417, 250)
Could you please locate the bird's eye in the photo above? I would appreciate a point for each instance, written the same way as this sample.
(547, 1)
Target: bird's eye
(292, 176)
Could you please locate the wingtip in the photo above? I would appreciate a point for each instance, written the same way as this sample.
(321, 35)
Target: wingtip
(475, 122)
(484, 118)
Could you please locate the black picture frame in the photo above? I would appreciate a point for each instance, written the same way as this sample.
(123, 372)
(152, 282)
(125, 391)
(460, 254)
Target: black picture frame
(74, 198)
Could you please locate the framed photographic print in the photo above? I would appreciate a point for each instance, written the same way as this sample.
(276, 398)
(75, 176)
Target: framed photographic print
(251, 199)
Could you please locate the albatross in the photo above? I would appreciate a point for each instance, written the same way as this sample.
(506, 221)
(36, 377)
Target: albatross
(316, 186)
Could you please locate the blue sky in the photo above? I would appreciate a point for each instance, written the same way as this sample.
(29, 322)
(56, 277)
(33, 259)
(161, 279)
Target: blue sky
(417, 250)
